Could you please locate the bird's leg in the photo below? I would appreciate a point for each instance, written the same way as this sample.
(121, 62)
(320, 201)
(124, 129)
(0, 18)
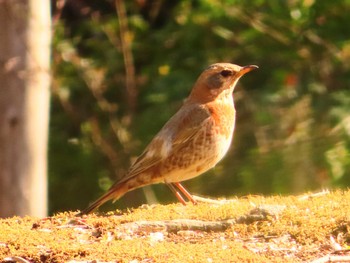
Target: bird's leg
(185, 192)
(176, 193)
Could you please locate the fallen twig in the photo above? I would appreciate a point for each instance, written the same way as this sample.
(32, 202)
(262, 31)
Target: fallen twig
(212, 201)
(313, 195)
(16, 259)
(257, 214)
(331, 258)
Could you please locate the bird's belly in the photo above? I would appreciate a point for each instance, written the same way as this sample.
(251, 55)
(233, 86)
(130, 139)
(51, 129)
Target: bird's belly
(194, 163)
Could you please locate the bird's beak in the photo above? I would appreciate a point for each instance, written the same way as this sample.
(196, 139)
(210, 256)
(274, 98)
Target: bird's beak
(247, 69)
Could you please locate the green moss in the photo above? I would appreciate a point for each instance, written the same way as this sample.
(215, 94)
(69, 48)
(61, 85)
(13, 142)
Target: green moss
(300, 231)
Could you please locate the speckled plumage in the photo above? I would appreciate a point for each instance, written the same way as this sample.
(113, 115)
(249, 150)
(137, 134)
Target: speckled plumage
(194, 140)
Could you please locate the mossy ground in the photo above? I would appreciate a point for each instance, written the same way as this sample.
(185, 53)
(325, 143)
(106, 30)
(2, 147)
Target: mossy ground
(305, 229)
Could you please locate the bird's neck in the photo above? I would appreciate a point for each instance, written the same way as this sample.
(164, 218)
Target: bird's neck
(202, 96)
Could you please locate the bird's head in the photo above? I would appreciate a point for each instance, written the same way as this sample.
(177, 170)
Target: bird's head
(216, 80)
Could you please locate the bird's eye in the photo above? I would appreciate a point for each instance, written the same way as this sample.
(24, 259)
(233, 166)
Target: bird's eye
(225, 73)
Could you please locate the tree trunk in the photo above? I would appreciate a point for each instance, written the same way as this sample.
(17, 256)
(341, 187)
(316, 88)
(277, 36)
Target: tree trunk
(25, 37)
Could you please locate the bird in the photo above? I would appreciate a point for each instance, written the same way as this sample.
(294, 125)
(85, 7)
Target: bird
(193, 141)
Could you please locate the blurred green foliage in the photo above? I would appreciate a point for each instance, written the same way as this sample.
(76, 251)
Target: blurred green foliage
(118, 77)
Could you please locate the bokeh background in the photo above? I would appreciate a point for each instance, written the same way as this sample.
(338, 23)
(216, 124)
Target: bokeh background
(122, 68)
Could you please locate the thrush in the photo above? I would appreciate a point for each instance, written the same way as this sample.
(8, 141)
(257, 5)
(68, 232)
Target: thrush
(194, 140)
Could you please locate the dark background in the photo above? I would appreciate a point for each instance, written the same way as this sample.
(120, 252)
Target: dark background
(121, 69)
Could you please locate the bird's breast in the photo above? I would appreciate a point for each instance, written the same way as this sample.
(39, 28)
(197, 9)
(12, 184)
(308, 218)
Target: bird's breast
(223, 116)
(207, 148)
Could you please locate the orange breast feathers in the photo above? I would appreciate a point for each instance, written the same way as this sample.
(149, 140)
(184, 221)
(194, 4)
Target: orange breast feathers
(224, 116)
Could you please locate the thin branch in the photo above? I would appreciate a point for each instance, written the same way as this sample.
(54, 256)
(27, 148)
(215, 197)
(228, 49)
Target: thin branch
(174, 226)
(330, 258)
(125, 40)
(104, 145)
(256, 214)
(57, 15)
(313, 195)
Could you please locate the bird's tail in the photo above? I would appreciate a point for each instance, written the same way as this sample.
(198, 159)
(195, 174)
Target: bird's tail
(115, 192)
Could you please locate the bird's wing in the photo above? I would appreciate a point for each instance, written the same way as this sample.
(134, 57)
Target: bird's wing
(181, 128)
